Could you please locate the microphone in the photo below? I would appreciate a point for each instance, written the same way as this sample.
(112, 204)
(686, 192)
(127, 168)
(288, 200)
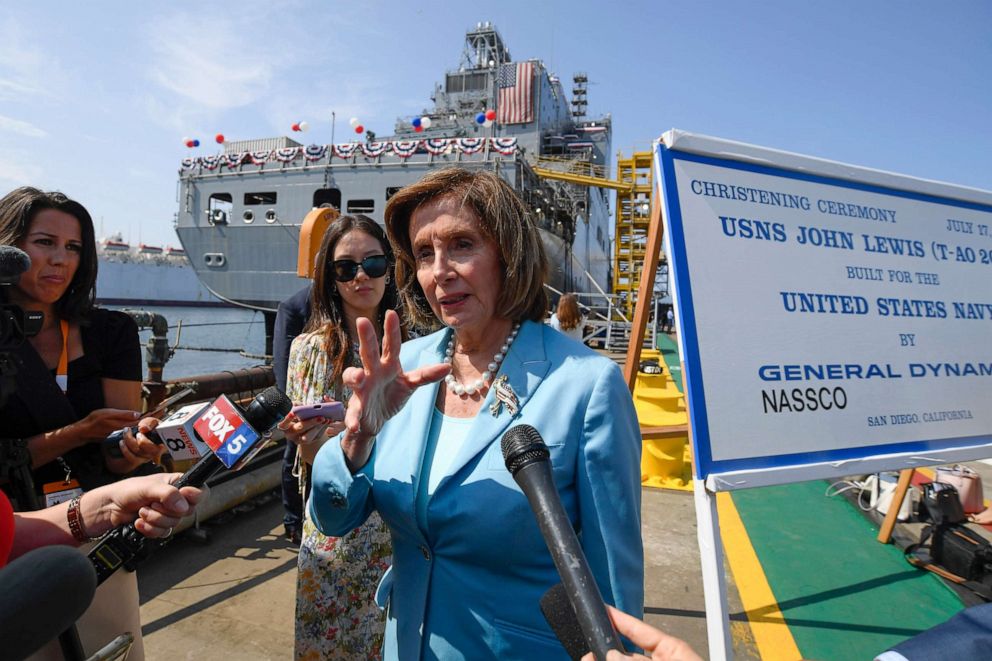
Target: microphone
(526, 458)
(175, 432)
(233, 438)
(13, 262)
(43, 593)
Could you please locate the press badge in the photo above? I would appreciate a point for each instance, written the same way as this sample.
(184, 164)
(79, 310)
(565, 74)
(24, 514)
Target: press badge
(60, 492)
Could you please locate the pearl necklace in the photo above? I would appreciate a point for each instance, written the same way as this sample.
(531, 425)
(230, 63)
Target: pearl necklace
(479, 384)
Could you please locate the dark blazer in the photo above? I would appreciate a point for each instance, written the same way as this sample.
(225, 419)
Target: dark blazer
(291, 317)
(469, 586)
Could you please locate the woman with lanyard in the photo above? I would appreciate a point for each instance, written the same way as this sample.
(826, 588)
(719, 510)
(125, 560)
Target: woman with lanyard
(79, 377)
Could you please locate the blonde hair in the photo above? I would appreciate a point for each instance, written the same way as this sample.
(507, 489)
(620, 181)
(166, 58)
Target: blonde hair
(568, 312)
(503, 218)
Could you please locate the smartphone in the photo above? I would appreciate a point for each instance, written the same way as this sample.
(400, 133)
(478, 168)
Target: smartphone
(330, 410)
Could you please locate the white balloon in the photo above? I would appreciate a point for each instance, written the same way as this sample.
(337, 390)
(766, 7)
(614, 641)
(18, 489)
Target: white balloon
(425, 122)
(304, 126)
(353, 121)
(488, 122)
(185, 140)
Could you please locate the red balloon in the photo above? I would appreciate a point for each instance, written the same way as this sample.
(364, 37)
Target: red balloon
(189, 143)
(219, 138)
(359, 129)
(418, 129)
(295, 127)
(490, 115)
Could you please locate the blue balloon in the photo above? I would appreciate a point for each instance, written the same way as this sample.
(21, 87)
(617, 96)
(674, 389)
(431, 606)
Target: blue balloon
(415, 122)
(480, 118)
(196, 143)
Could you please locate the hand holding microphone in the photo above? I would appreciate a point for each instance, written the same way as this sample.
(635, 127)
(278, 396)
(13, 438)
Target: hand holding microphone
(233, 437)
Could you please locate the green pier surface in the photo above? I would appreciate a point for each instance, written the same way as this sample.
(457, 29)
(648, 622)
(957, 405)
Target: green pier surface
(843, 594)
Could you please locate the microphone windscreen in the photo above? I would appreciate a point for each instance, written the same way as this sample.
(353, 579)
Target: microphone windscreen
(42, 593)
(522, 445)
(267, 409)
(557, 610)
(13, 261)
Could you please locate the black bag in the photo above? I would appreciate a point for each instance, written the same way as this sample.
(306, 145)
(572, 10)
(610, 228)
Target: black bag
(943, 504)
(956, 552)
(961, 551)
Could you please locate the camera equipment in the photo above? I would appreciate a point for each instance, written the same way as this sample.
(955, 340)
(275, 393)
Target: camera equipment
(16, 324)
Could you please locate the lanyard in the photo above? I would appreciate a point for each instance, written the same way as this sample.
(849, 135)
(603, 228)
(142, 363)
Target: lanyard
(62, 373)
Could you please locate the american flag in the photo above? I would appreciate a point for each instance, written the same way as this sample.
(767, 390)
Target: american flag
(514, 104)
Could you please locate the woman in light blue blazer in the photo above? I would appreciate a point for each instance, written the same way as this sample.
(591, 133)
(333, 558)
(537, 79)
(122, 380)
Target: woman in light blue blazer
(421, 445)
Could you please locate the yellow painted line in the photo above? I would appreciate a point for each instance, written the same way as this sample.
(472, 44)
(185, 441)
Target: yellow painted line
(768, 626)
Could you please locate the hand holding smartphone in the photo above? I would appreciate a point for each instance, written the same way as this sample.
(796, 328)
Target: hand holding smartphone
(333, 411)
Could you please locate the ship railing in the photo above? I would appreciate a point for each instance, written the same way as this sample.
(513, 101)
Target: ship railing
(606, 325)
(572, 165)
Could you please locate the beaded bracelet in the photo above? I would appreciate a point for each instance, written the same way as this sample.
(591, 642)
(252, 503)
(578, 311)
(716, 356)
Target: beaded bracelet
(76, 521)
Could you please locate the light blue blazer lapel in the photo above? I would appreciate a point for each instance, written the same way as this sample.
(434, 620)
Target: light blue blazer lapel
(525, 366)
(413, 427)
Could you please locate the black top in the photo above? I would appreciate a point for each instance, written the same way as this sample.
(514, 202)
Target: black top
(110, 350)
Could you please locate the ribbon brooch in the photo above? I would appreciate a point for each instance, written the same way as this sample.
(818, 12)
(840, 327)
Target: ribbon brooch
(504, 395)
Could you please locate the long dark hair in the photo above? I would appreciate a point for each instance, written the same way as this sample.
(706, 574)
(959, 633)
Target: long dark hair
(327, 308)
(19, 207)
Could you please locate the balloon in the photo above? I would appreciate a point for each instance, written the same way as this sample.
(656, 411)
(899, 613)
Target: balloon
(219, 138)
(425, 122)
(488, 122)
(187, 140)
(353, 121)
(416, 122)
(418, 129)
(196, 143)
(490, 114)
(189, 143)
(359, 129)
(481, 117)
(304, 126)
(295, 127)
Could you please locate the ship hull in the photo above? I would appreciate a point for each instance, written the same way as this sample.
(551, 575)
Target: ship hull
(149, 283)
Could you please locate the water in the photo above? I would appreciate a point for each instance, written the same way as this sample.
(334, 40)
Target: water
(233, 330)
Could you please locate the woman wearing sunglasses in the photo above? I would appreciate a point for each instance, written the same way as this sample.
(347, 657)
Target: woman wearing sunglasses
(336, 614)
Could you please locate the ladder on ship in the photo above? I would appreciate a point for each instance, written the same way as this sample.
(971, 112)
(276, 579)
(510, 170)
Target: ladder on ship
(634, 188)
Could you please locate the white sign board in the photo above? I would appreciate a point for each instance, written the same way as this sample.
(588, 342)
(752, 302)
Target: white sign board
(832, 320)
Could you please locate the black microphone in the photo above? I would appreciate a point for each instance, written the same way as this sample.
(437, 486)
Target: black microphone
(42, 594)
(234, 438)
(13, 262)
(526, 458)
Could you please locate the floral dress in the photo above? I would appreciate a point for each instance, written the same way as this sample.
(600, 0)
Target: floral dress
(336, 613)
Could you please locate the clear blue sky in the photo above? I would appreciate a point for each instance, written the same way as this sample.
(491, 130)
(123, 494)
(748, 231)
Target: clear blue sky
(95, 97)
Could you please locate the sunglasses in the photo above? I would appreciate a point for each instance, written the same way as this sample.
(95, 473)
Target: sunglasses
(345, 270)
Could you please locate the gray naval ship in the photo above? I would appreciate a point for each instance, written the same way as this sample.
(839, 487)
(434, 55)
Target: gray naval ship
(241, 211)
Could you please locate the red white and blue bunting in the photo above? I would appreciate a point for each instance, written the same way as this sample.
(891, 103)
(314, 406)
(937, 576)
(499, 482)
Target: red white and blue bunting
(346, 150)
(234, 160)
(401, 148)
(437, 146)
(471, 145)
(405, 148)
(504, 146)
(374, 149)
(287, 154)
(315, 152)
(260, 156)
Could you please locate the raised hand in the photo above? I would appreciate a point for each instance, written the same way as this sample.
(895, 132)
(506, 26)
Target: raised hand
(379, 387)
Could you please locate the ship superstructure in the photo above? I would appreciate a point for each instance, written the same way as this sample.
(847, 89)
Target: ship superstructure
(240, 211)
